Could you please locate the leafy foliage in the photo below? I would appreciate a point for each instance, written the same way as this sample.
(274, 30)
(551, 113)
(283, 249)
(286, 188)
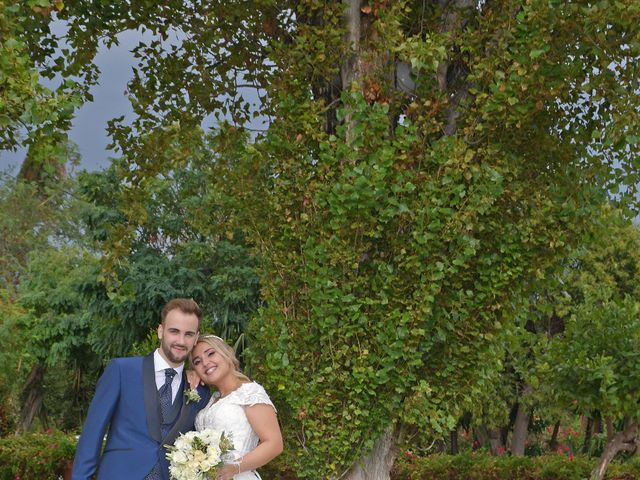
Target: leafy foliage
(393, 253)
(32, 115)
(37, 455)
(593, 361)
(29, 222)
(42, 320)
(172, 253)
(481, 467)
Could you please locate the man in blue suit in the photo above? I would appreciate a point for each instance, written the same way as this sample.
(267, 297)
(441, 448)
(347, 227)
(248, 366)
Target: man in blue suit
(141, 400)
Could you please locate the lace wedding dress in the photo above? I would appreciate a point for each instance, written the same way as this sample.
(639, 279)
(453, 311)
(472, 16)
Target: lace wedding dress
(227, 414)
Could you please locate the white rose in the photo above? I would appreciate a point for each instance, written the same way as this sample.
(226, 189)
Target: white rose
(181, 443)
(214, 452)
(199, 456)
(179, 457)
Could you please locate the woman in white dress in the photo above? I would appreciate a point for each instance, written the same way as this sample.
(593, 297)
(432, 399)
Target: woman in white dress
(241, 408)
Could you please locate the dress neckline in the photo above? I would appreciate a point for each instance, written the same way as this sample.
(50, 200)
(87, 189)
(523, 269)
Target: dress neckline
(218, 396)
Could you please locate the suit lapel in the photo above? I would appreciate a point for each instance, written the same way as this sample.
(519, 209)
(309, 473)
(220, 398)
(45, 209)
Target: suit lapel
(151, 403)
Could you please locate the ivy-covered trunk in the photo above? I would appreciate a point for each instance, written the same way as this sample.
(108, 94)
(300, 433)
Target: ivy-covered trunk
(376, 465)
(365, 69)
(396, 235)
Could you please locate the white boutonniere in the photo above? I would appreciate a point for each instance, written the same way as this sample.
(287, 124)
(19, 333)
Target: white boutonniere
(192, 395)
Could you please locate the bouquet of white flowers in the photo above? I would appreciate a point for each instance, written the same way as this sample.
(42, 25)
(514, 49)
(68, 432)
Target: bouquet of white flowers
(196, 455)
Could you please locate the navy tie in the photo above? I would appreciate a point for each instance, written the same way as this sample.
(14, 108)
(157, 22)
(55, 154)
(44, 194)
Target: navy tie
(165, 408)
(165, 394)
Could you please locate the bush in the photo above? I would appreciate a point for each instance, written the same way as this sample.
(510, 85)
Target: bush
(41, 456)
(480, 466)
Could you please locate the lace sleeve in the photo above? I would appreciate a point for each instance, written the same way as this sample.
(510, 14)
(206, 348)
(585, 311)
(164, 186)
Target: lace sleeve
(252, 394)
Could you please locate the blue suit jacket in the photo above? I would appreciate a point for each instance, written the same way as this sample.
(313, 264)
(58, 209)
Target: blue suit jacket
(126, 401)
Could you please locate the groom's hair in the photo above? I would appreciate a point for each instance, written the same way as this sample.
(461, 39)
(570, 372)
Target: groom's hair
(185, 305)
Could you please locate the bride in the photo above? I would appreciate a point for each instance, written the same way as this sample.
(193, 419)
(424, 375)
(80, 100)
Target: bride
(241, 408)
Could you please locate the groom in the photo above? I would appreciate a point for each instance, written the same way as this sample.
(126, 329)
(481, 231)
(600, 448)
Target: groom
(142, 401)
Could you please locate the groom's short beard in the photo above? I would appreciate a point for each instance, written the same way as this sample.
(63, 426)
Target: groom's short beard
(169, 354)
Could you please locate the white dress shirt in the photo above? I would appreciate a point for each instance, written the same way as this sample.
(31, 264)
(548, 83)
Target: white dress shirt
(159, 364)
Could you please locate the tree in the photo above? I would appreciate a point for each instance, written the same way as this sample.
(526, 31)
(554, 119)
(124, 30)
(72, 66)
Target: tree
(605, 259)
(56, 331)
(32, 115)
(39, 219)
(158, 244)
(602, 371)
(592, 363)
(392, 246)
(36, 118)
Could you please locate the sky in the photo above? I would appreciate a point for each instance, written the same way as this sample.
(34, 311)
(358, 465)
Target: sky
(109, 101)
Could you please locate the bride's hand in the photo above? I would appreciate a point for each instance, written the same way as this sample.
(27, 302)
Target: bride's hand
(228, 471)
(193, 379)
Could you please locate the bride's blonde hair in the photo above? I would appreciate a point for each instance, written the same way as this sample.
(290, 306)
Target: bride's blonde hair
(225, 351)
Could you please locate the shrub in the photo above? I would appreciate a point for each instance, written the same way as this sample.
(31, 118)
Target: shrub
(480, 466)
(41, 456)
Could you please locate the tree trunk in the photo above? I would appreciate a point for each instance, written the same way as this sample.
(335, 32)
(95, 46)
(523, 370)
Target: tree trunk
(520, 419)
(520, 430)
(33, 398)
(626, 440)
(37, 172)
(451, 71)
(586, 445)
(350, 71)
(377, 464)
(453, 435)
(481, 437)
(490, 438)
(495, 442)
(553, 442)
(597, 423)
